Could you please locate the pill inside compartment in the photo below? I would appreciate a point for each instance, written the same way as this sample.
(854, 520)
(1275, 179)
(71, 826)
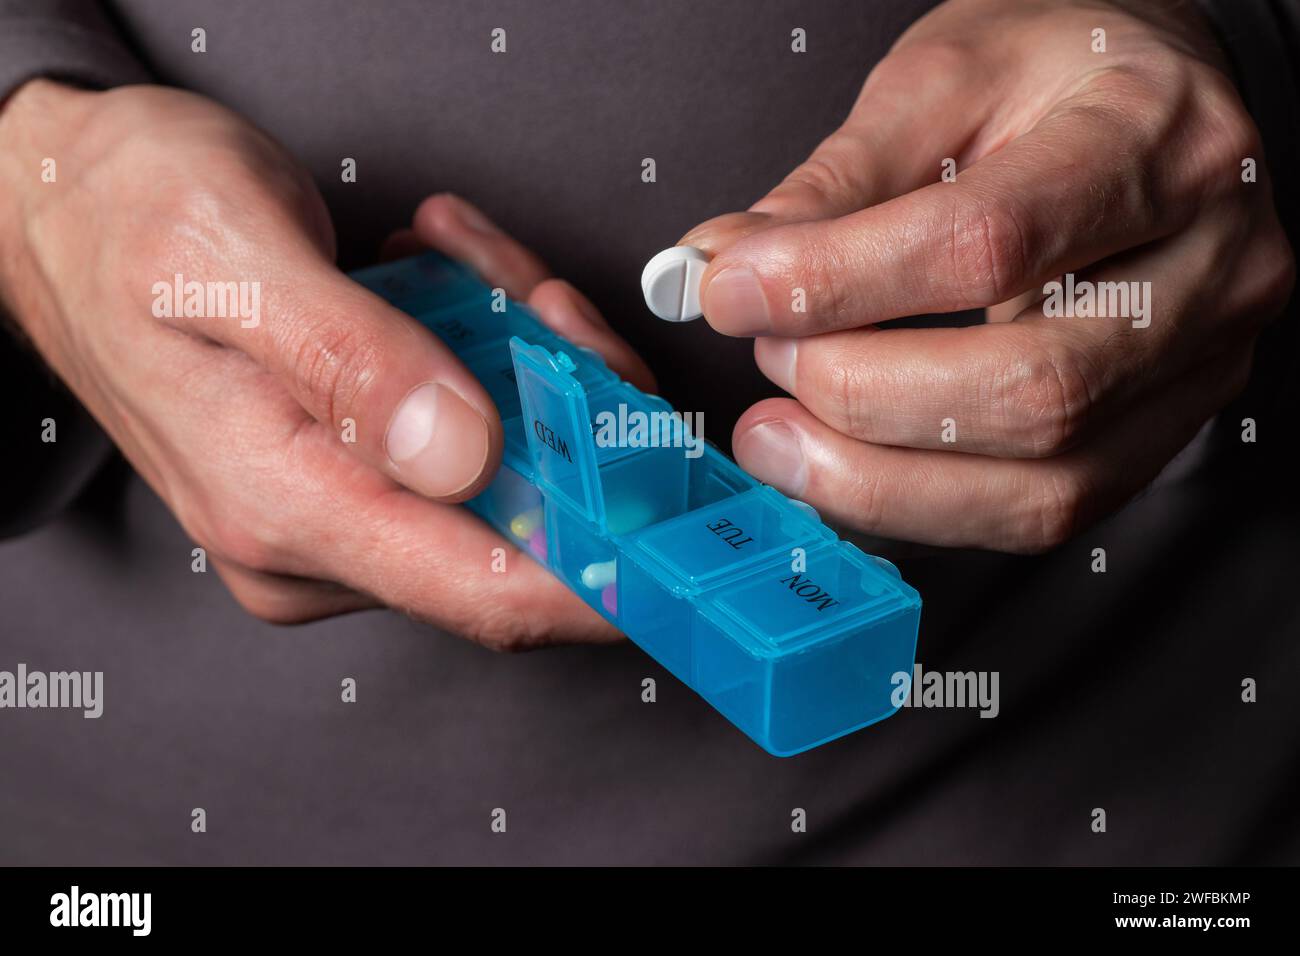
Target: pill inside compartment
(648, 468)
(610, 460)
(643, 488)
(801, 652)
(518, 513)
(513, 505)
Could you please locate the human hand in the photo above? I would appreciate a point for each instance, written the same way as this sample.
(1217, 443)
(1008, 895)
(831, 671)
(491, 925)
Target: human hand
(1117, 166)
(237, 422)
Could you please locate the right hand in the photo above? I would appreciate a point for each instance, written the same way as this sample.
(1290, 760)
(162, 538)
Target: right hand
(239, 427)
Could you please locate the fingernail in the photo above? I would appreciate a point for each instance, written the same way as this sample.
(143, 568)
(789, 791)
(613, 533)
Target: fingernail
(771, 452)
(438, 441)
(776, 360)
(734, 302)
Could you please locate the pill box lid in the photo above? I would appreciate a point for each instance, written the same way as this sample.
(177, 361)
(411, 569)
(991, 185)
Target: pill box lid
(558, 427)
(475, 326)
(838, 593)
(421, 282)
(706, 547)
(611, 404)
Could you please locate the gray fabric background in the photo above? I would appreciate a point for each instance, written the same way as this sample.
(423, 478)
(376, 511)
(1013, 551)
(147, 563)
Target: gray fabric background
(1118, 690)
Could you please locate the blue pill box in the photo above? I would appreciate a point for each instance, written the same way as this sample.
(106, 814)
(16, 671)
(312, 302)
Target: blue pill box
(743, 594)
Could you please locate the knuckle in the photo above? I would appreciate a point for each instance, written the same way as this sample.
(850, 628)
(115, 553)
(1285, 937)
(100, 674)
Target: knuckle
(174, 242)
(265, 604)
(1046, 399)
(988, 246)
(506, 633)
(844, 389)
(1219, 135)
(834, 173)
(333, 366)
(1276, 277)
(865, 499)
(251, 544)
(721, 231)
(245, 548)
(1120, 88)
(1260, 280)
(818, 175)
(1054, 514)
(947, 61)
(507, 623)
(1230, 133)
(1170, 98)
(825, 277)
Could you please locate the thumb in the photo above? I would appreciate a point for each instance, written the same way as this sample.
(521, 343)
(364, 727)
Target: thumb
(845, 173)
(387, 388)
(842, 176)
(893, 142)
(416, 412)
(838, 178)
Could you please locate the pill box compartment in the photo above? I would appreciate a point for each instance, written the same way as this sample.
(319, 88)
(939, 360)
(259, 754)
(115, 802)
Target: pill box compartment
(669, 565)
(640, 490)
(514, 506)
(798, 655)
(475, 327)
(422, 283)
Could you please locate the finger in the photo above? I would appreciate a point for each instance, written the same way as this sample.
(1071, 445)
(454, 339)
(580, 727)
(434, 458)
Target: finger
(569, 313)
(386, 387)
(436, 562)
(303, 509)
(454, 227)
(892, 142)
(561, 307)
(1040, 207)
(1030, 388)
(455, 586)
(974, 501)
(1005, 389)
(1007, 311)
(284, 599)
(443, 565)
(400, 244)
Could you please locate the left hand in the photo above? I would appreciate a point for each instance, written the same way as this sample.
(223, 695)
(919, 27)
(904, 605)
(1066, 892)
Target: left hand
(1118, 166)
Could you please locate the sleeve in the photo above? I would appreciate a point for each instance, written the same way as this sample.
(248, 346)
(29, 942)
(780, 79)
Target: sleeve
(64, 39)
(71, 40)
(1262, 41)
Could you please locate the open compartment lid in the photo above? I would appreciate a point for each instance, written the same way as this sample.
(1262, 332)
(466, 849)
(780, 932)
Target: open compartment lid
(558, 426)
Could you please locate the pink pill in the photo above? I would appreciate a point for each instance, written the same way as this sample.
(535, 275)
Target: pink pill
(537, 544)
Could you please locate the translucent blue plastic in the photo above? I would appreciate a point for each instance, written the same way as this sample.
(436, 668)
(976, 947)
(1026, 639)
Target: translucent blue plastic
(743, 594)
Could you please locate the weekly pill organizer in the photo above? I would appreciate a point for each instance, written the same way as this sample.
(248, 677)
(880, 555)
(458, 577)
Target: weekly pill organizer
(740, 592)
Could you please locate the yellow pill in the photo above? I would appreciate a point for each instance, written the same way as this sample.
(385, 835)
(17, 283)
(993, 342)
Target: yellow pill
(523, 525)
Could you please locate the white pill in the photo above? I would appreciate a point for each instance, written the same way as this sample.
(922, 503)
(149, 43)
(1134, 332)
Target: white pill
(670, 283)
(600, 575)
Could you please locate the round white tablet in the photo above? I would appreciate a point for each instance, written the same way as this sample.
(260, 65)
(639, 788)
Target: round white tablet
(670, 283)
